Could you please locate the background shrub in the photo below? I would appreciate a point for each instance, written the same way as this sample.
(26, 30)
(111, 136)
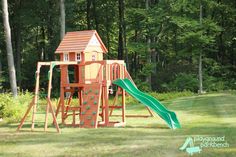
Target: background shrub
(171, 95)
(215, 84)
(13, 109)
(184, 82)
(160, 96)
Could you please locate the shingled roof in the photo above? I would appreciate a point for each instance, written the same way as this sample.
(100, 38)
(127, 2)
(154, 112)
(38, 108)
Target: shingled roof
(78, 41)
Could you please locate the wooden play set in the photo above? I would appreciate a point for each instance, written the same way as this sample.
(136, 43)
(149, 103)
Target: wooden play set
(82, 51)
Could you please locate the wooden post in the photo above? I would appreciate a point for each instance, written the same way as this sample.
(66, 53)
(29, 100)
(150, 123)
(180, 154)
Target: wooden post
(46, 118)
(105, 97)
(62, 97)
(48, 97)
(123, 96)
(36, 95)
(123, 106)
(102, 105)
(73, 120)
(80, 97)
(114, 101)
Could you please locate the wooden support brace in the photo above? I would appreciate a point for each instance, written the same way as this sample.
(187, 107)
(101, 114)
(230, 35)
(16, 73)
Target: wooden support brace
(26, 113)
(46, 117)
(58, 107)
(53, 115)
(73, 123)
(150, 112)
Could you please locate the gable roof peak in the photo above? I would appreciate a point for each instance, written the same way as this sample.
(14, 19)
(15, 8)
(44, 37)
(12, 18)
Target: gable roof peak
(78, 41)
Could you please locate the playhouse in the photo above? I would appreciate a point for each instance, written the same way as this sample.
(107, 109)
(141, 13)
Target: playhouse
(91, 82)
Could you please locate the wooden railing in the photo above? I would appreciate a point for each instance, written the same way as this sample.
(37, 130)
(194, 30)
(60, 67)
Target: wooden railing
(109, 70)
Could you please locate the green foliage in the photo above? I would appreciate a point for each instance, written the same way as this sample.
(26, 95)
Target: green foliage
(171, 95)
(142, 85)
(159, 96)
(146, 71)
(184, 81)
(233, 92)
(216, 76)
(173, 27)
(13, 109)
(214, 84)
(1, 80)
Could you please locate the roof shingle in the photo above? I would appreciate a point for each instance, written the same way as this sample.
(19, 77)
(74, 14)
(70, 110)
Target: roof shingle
(78, 41)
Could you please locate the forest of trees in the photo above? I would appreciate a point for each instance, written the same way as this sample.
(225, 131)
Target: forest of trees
(164, 42)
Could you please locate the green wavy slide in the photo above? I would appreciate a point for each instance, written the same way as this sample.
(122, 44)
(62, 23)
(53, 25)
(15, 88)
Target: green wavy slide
(168, 116)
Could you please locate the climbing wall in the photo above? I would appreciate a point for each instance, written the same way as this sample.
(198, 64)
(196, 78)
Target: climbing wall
(90, 106)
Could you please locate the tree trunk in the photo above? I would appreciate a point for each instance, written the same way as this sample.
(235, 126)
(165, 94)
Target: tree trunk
(108, 36)
(50, 28)
(0, 72)
(200, 60)
(88, 14)
(17, 37)
(63, 27)
(200, 74)
(18, 55)
(38, 43)
(62, 18)
(10, 58)
(148, 78)
(125, 46)
(107, 25)
(95, 15)
(154, 61)
(124, 36)
(43, 44)
(121, 30)
(16, 41)
(135, 63)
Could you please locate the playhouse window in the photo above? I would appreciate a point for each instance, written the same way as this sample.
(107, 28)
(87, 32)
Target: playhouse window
(78, 57)
(93, 57)
(66, 57)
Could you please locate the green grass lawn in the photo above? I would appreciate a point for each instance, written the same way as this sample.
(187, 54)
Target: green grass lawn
(207, 115)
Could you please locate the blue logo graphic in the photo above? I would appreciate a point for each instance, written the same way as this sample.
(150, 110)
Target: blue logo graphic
(189, 147)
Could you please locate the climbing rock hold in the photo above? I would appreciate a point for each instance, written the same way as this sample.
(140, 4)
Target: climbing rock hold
(89, 117)
(87, 107)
